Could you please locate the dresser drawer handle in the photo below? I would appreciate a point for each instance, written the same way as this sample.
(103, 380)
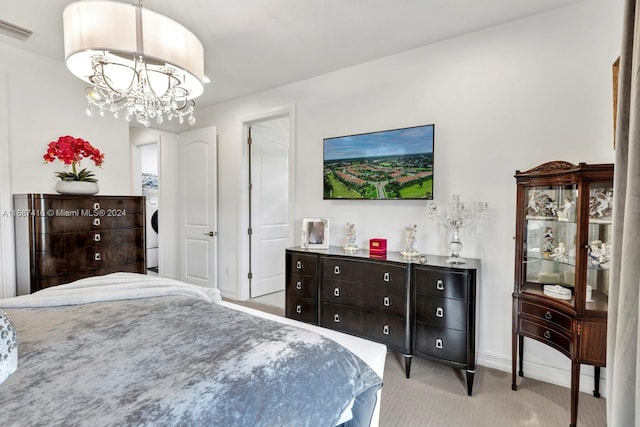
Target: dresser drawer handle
(96, 206)
(299, 285)
(336, 269)
(385, 329)
(299, 265)
(440, 285)
(336, 318)
(387, 277)
(386, 302)
(439, 312)
(96, 221)
(96, 256)
(548, 315)
(96, 237)
(336, 292)
(439, 343)
(547, 335)
(299, 309)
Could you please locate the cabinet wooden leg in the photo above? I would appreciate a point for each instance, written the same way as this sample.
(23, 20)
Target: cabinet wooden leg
(407, 364)
(514, 360)
(520, 353)
(596, 381)
(575, 390)
(470, 375)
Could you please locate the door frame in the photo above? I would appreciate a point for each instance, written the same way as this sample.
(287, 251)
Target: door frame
(244, 290)
(7, 250)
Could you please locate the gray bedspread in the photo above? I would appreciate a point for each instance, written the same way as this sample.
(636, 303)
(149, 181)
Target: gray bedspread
(176, 360)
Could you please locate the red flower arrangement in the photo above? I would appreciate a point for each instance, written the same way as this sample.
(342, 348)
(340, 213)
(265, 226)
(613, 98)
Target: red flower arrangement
(71, 151)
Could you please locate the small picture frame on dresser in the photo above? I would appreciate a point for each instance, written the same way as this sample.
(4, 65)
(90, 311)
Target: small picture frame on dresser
(315, 232)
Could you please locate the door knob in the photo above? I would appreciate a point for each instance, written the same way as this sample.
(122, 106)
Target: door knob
(211, 233)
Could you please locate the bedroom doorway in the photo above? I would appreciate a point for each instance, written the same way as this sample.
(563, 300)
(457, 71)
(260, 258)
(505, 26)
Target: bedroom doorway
(149, 176)
(270, 190)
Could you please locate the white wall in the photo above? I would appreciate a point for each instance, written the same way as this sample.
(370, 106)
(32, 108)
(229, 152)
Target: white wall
(505, 98)
(43, 102)
(46, 101)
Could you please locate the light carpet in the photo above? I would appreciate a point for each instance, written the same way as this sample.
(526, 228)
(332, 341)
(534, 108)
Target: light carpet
(436, 396)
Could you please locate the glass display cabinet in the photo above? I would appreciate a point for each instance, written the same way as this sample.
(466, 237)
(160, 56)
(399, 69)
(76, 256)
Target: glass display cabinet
(563, 256)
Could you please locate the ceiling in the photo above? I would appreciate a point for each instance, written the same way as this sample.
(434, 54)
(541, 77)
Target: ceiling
(254, 45)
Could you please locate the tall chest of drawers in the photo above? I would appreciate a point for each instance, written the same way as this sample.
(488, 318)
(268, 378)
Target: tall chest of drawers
(427, 310)
(61, 238)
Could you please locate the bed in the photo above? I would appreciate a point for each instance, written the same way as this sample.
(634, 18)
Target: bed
(129, 349)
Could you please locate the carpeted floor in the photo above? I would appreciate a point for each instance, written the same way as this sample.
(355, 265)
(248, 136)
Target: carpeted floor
(436, 396)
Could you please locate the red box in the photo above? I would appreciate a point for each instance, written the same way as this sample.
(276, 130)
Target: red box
(377, 245)
(378, 248)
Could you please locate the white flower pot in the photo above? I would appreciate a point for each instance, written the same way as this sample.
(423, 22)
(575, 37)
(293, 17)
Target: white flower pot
(77, 187)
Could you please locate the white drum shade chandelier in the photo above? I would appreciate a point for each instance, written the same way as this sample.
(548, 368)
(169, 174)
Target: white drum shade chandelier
(139, 63)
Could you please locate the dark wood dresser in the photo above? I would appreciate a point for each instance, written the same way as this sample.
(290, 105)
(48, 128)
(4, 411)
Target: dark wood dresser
(61, 238)
(424, 309)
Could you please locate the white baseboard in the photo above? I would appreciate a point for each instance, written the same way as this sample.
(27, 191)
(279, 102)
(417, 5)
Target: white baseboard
(546, 373)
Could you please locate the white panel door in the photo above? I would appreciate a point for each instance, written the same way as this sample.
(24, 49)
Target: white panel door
(199, 210)
(269, 205)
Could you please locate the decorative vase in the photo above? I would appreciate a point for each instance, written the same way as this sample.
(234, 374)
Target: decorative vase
(77, 187)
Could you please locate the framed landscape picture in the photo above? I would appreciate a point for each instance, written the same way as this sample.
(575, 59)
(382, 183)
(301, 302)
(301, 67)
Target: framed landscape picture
(391, 164)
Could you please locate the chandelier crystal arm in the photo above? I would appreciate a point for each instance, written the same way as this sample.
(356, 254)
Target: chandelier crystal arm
(453, 216)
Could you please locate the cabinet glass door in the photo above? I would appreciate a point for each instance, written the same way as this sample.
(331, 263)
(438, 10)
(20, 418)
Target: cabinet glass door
(599, 246)
(550, 241)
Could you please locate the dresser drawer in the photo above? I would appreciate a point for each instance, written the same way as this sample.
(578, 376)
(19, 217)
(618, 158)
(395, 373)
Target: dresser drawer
(387, 329)
(302, 309)
(443, 343)
(91, 257)
(364, 296)
(301, 286)
(302, 264)
(364, 271)
(545, 314)
(547, 334)
(61, 242)
(61, 224)
(442, 312)
(441, 283)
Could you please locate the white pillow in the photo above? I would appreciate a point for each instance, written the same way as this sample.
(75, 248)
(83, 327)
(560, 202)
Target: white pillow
(8, 347)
